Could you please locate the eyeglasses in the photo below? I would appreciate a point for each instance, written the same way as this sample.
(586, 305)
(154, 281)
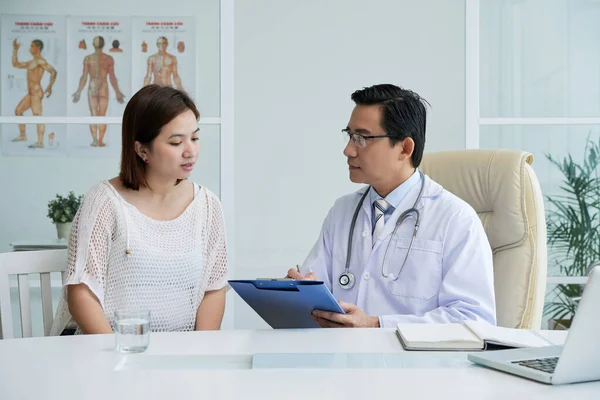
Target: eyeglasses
(359, 140)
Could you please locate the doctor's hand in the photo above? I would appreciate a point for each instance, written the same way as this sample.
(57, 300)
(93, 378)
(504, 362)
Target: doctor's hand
(294, 274)
(354, 318)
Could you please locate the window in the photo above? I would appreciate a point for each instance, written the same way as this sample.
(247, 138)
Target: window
(533, 70)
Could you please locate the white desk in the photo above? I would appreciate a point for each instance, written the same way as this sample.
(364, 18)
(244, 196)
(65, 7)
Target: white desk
(83, 367)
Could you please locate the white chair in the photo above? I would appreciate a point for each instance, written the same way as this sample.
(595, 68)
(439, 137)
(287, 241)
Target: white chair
(21, 264)
(504, 190)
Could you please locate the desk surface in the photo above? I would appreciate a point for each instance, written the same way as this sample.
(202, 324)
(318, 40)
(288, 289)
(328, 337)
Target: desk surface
(88, 367)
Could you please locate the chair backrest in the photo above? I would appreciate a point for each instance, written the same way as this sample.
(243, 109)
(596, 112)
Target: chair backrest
(21, 264)
(504, 190)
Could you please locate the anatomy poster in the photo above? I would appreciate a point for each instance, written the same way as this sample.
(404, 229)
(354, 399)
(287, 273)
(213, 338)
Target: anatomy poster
(54, 140)
(33, 82)
(164, 53)
(99, 83)
(99, 66)
(94, 140)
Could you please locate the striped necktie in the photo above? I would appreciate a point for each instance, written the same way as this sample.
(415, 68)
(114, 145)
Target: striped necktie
(380, 206)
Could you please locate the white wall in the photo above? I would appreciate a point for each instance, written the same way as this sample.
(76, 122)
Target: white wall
(296, 64)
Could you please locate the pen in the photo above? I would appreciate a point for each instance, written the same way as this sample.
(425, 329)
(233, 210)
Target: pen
(298, 268)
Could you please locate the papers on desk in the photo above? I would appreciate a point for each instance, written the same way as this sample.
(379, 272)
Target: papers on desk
(53, 244)
(470, 335)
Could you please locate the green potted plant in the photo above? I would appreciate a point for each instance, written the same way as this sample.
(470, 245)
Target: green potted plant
(62, 210)
(573, 227)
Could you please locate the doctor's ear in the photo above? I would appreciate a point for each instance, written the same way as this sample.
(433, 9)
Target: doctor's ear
(408, 147)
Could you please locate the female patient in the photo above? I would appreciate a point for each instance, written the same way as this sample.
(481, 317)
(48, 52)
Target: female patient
(149, 239)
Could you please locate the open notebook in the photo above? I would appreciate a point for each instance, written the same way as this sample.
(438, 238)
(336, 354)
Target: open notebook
(469, 335)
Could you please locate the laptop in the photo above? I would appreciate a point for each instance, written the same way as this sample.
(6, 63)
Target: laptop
(578, 360)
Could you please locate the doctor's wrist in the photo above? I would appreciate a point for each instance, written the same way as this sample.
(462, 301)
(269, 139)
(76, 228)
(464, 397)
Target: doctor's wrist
(373, 322)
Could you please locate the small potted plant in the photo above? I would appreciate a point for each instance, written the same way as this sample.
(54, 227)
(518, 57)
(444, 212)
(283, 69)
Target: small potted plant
(62, 210)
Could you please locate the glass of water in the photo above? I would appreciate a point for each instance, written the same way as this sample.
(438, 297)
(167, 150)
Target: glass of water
(132, 333)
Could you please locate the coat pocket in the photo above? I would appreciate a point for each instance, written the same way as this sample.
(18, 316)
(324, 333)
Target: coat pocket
(421, 275)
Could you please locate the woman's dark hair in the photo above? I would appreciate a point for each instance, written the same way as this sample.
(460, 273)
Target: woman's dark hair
(151, 108)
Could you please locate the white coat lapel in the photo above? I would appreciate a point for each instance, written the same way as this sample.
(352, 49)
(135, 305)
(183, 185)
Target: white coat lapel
(363, 220)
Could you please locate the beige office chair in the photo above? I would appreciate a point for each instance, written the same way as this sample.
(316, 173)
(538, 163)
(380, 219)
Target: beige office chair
(503, 188)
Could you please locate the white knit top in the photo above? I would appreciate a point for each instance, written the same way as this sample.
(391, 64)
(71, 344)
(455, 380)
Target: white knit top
(169, 266)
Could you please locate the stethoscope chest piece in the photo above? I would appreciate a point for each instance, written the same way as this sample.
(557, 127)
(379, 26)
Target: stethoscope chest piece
(346, 280)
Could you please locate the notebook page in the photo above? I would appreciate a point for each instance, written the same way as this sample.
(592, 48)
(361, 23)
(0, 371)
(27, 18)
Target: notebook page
(507, 336)
(437, 333)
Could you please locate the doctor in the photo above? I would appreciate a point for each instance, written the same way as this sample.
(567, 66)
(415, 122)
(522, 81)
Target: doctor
(416, 252)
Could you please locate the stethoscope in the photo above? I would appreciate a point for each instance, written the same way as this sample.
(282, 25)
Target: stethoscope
(347, 279)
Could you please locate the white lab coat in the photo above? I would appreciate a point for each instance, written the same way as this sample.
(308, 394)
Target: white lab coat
(448, 276)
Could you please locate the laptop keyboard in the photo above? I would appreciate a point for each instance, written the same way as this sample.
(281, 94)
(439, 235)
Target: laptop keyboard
(542, 364)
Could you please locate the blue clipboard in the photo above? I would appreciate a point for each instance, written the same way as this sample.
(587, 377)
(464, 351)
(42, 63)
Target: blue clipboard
(286, 303)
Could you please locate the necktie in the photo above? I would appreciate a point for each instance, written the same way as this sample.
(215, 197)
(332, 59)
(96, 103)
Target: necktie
(380, 206)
